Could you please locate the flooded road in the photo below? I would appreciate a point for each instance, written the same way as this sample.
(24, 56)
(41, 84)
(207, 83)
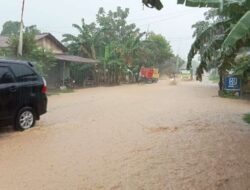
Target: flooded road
(135, 137)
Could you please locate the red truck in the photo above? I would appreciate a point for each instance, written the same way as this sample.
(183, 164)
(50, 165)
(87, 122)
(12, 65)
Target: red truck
(149, 74)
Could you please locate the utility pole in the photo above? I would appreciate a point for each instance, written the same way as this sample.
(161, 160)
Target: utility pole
(147, 33)
(20, 44)
(106, 57)
(221, 5)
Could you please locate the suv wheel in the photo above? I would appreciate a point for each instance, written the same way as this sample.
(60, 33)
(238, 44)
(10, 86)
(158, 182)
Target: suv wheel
(25, 119)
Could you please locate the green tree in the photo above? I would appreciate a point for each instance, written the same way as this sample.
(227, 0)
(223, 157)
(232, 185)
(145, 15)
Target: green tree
(160, 47)
(199, 27)
(86, 42)
(43, 59)
(32, 29)
(120, 46)
(219, 43)
(121, 43)
(10, 28)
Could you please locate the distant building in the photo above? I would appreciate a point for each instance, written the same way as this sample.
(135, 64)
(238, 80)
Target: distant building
(61, 70)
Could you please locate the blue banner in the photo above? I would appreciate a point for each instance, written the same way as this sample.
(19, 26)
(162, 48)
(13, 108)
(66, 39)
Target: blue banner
(232, 83)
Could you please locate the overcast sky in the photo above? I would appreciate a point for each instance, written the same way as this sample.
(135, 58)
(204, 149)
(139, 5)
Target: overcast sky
(56, 16)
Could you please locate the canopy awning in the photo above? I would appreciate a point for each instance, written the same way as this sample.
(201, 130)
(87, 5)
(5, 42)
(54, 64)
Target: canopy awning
(75, 59)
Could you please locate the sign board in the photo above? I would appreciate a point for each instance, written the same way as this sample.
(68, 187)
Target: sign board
(232, 83)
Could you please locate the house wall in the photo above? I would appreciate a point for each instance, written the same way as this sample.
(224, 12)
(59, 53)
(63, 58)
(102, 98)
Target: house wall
(46, 43)
(60, 70)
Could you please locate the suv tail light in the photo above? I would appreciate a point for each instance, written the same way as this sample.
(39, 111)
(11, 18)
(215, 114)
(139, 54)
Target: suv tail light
(44, 88)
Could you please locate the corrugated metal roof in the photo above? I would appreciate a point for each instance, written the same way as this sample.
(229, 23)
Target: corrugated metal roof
(4, 40)
(41, 36)
(75, 59)
(61, 57)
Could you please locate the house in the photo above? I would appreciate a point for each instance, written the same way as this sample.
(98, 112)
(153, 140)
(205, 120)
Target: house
(61, 70)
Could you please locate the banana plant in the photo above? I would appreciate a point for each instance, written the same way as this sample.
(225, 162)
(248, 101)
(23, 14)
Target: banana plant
(211, 3)
(208, 41)
(241, 31)
(191, 3)
(86, 41)
(228, 42)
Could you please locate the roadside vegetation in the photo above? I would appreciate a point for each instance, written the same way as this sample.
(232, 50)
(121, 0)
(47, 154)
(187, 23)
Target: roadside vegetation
(214, 76)
(247, 118)
(41, 58)
(120, 47)
(222, 38)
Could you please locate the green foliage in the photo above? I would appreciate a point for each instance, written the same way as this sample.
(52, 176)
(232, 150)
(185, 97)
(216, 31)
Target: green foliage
(154, 51)
(200, 3)
(29, 44)
(32, 30)
(172, 66)
(214, 76)
(160, 47)
(86, 42)
(246, 118)
(209, 3)
(199, 27)
(208, 42)
(219, 43)
(82, 72)
(229, 94)
(10, 28)
(121, 47)
(241, 31)
(42, 58)
(242, 67)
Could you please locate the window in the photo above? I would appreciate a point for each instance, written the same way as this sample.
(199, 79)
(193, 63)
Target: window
(23, 73)
(6, 76)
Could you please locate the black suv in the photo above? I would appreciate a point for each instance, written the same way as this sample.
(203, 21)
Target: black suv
(22, 94)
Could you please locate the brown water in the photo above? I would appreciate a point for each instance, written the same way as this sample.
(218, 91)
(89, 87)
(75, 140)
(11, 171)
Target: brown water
(146, 137)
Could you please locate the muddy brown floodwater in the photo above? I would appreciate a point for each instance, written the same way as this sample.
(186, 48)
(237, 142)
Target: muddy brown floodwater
(132, 137)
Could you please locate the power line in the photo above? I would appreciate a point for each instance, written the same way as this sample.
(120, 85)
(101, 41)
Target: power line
(166, 19)
(145, 18)
(153, 17)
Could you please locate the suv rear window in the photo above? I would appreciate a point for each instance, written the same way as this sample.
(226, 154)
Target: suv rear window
(6, 76)
(23, 73)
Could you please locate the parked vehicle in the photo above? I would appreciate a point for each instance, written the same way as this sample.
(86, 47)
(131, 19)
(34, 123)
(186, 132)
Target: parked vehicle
(149, 74)
(186, 75)
(22, 94)
(156, 75)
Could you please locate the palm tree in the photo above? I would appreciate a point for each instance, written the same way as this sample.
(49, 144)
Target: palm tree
(86, 42)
